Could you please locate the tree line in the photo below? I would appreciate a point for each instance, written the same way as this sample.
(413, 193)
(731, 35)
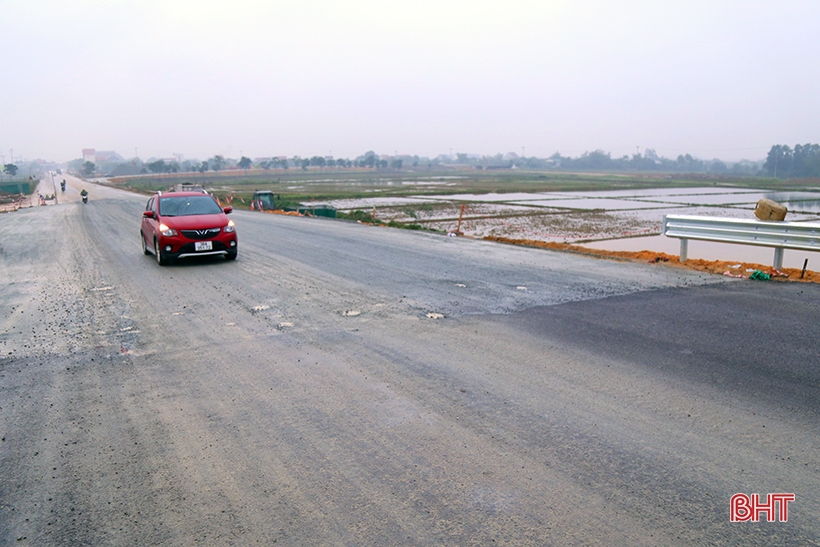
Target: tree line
(801, 161)
(781, 162)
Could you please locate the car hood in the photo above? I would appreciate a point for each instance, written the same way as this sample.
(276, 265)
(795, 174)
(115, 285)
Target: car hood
(196, 222)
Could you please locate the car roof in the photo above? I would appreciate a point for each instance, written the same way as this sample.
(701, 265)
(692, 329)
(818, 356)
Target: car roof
(183, 194)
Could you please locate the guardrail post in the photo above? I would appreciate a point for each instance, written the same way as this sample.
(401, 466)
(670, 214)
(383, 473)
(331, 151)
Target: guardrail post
(778, 258)
(684, 249)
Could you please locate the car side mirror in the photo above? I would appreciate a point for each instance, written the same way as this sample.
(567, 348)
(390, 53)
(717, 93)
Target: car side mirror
(148, 214)
(227, 209)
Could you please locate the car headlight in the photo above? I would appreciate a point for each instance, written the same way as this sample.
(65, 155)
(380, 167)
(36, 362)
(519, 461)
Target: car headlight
(166, 231)
(230, 228)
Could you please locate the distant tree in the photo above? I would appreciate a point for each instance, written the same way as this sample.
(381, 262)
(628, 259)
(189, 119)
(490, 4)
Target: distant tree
(245, 163)
(317, 161)
(778, 161)
(803, 161)
(597, 159)
(396, 163)
(304, 162)
(217, 163)
(10, 169)
(157, 166)
(172, 167)
(88, 168)
(368, 160)
(718, 167)
(688, 163)
(806, 160)
(203, 167)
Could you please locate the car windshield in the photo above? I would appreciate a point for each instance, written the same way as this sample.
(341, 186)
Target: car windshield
(188, 205)
(267, 200)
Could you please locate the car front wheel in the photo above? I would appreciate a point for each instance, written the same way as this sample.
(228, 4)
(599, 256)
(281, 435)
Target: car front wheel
(160, 259)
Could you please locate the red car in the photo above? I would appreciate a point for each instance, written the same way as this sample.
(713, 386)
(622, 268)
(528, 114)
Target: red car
(184, 224)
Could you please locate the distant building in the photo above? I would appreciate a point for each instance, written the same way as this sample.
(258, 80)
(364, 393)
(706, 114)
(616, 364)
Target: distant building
(94, 156)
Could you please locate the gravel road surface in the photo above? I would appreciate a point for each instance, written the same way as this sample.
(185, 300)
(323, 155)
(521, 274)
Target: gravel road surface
(341, 384)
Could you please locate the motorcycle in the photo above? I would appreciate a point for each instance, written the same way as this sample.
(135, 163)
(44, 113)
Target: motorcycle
(62, 186)
(85, 199)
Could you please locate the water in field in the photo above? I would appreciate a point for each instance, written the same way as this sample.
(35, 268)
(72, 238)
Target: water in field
(608, 220)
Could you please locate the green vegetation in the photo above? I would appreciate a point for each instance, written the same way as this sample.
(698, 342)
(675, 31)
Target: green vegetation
(296, 187)
(300, 186)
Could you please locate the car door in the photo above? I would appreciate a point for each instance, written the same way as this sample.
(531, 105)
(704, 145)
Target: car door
(149, 224)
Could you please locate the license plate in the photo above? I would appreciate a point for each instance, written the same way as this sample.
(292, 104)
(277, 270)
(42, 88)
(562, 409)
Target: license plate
(203, 246)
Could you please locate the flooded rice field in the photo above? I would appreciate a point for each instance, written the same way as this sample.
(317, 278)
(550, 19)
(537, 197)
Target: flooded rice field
(612, 220)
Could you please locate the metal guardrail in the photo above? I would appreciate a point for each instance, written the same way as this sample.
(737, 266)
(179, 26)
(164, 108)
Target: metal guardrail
(780, 235)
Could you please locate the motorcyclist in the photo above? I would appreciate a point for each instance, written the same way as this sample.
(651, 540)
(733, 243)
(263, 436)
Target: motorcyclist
(62, 185)
(84, 194)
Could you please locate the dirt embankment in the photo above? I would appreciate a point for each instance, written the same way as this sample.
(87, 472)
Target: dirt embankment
(711, 266)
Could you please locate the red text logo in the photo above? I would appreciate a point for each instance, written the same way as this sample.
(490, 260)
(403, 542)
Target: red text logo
(751, 507)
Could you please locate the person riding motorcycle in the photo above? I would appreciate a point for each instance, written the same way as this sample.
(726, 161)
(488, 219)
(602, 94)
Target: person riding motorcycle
(62, 185)
(84, 194)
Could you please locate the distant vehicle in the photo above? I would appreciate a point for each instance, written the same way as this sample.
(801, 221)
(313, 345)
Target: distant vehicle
(59, 171)
(262, 201)
(62, 185)
(187, 187)
(185, 224)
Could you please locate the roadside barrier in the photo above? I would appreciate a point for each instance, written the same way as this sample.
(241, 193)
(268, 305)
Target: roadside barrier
(802, 236)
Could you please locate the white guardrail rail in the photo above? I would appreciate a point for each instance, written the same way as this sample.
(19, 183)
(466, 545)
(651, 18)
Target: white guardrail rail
(804, 236)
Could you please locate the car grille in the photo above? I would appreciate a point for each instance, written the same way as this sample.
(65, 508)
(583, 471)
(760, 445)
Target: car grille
(207, 233)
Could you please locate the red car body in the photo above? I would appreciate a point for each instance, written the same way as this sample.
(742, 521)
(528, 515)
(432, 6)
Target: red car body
(187, 224)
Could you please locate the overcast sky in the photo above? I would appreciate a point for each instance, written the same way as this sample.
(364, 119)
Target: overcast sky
(717, 79)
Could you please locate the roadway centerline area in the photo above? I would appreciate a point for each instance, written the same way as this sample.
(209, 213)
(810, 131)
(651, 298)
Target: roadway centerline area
(340, 384)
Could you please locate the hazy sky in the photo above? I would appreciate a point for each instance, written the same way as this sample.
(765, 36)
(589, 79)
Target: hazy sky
(717, 79)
